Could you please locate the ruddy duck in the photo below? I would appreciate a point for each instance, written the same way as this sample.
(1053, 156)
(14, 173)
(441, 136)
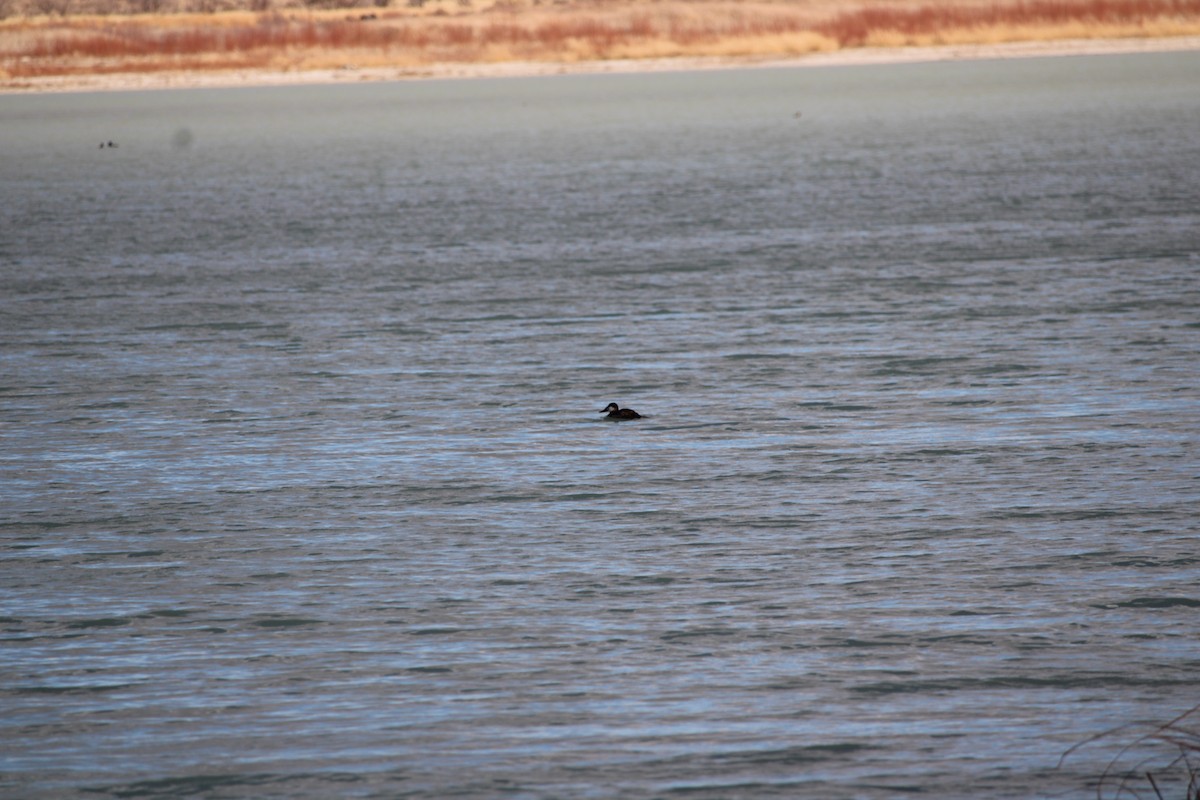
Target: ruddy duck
(616, 412)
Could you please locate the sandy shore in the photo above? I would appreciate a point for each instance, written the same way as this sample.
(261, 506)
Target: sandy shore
(350, 74)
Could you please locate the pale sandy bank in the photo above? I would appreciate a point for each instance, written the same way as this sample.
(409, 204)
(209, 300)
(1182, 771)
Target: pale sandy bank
(350, 74)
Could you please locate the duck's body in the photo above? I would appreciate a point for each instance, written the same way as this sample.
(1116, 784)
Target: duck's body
(616, 412)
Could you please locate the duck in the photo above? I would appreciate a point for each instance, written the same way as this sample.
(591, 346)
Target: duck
(616, 412)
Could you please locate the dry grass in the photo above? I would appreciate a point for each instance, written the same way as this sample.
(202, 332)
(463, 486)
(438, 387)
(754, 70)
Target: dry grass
(1017, 21)
(623, 29)
(1162, 759)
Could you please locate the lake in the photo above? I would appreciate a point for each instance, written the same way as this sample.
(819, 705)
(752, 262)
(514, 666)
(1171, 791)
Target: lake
(306, 493)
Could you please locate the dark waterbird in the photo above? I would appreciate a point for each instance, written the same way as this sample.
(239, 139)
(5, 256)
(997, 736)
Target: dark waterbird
(616, 412)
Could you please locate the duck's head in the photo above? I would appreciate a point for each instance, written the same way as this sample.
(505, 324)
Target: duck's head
(610, 407)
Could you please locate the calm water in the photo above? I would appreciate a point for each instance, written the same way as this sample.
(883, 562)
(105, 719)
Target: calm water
(305, 494)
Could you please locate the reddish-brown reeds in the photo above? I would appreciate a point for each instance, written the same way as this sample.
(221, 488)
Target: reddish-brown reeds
(620, 29)
(62, 46)
(928, 24)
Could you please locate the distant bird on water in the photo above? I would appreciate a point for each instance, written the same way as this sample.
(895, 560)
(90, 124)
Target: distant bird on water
(616, 412)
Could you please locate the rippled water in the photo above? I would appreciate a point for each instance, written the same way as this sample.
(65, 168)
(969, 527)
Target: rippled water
(305, 492)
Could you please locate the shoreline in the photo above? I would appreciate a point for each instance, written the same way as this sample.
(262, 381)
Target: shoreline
(857, 56)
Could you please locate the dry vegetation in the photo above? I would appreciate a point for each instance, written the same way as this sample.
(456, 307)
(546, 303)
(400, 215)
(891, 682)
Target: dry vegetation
(1163, 760)
(47, 40)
